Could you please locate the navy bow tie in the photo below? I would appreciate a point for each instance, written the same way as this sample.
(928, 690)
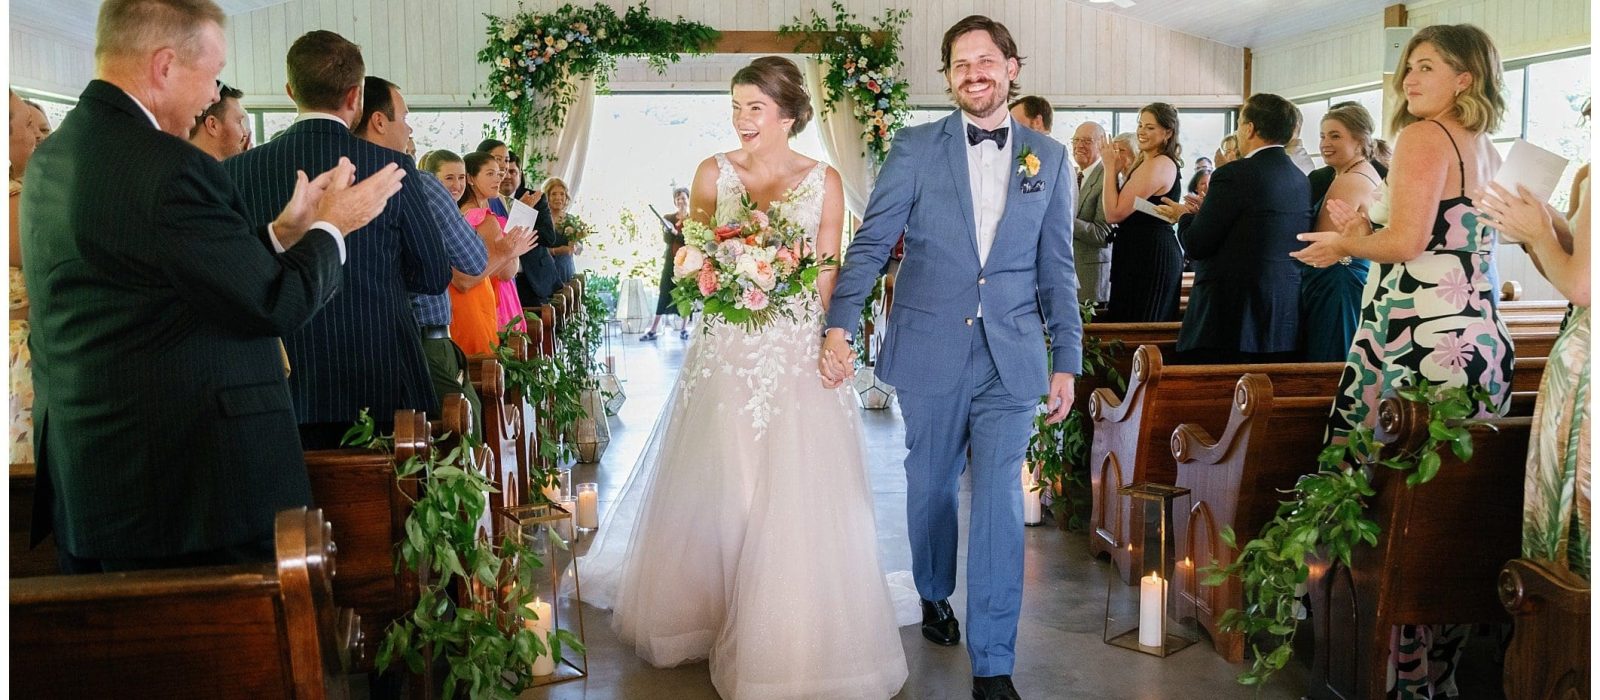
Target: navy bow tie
(976, 136)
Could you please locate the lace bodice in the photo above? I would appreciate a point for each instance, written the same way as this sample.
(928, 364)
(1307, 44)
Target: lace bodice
(747, 371)
(802, 205)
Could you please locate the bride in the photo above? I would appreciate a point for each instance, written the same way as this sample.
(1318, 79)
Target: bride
(745, 534)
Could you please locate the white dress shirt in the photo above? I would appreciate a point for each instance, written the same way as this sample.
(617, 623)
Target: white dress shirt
(989, 174)
(1263, 148)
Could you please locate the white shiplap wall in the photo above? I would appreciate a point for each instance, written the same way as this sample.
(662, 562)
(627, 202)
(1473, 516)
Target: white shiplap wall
(1351, 54)
(51, 61)
(1076, 55)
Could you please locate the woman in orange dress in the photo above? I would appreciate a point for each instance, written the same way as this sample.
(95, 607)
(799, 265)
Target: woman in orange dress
(474, 315)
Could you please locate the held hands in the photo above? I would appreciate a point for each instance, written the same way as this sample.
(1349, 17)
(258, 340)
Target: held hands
(836, 362)
(1520, 217)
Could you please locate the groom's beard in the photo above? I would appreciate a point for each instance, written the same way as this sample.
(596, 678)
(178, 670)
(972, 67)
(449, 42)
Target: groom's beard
(981, 107)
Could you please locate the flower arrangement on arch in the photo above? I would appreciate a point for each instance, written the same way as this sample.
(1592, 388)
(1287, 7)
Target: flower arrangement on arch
(545, 54)
(745, 269)
(865, 68)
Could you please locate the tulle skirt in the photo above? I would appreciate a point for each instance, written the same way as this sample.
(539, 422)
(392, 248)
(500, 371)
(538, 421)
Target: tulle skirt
(746, 533)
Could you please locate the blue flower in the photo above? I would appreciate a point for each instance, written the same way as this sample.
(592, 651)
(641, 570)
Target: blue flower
(883, 103)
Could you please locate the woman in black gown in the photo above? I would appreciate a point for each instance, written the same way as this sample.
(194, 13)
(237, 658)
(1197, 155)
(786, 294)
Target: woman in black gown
(1146, 260)
(672, 234)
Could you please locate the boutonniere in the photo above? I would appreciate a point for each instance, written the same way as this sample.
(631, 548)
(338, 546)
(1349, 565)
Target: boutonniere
(1027, 162)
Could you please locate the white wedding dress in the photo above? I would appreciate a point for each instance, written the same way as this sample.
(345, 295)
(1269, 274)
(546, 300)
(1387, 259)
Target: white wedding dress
(746, 533)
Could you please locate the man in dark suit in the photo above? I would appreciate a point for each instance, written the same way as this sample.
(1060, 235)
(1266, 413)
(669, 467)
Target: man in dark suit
(163, 431)
(363, 350)
(1245, 305)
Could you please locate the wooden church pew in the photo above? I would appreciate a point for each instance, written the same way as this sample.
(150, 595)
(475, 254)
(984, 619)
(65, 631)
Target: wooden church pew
(502, 429)
(1237, 480)
(1439, 552)
(245, 631)
(1549, 654)
(1132, 433)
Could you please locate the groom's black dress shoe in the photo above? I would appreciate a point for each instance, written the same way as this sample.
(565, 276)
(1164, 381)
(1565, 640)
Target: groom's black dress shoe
(993, 688)
(939, 623)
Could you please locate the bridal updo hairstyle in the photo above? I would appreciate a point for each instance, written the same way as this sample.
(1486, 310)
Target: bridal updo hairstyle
(779, 78)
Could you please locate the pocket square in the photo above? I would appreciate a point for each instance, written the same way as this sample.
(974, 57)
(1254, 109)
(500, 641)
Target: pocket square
(1031, 186)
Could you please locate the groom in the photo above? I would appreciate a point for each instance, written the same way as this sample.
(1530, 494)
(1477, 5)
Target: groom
(986, 208)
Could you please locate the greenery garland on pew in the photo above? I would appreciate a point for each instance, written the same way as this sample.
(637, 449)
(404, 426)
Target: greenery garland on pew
(862, 68)
(483, 639)
(554, 393)
(1325, 517)
(1060, 452)
(548, 53)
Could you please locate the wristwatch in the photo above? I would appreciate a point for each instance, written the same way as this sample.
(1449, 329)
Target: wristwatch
(848, 337)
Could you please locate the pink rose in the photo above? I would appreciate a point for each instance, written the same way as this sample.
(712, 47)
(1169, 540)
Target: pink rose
(688, 261)
(753, 299)
(708, 280)
(760, 217)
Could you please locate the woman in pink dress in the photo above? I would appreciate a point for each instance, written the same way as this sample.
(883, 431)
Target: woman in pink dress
(486, 212)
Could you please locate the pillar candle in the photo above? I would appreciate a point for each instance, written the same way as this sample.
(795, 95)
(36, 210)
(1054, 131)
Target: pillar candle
(1152, 610)
(1032, 513)
(544, 664)
(588, 506)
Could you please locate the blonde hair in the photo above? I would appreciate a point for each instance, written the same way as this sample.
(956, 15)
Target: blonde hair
(1480, 107)
(554, 181)
(131, 27)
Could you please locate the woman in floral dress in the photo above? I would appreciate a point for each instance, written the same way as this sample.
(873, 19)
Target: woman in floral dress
(1555, 521)
(27, 130)
(1428, 311)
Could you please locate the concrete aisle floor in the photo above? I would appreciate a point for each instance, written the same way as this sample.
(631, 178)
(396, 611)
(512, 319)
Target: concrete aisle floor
(1060, 652)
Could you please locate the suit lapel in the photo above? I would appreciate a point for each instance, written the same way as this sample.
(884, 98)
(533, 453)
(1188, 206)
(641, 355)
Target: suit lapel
(955, 152)
(1013, 188)
(1090, 182)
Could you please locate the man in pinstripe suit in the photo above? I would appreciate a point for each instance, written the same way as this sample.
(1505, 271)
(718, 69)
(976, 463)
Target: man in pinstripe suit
(363, 350)
(163, 430)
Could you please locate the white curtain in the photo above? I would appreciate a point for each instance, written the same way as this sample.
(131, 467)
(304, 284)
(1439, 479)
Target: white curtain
(841, 137)
(569, 146)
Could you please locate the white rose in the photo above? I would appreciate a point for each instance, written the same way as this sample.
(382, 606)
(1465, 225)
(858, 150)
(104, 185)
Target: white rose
(688, 262)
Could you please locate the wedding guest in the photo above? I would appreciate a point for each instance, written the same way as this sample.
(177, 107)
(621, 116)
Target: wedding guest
(1091, 235)
(1146, 261)
(1297, 153)
(1203, 164)
(540, 278)
(383, 122)
(24, 139)
(362, 351)
(223, 130)
(512, 183)
(1556, 494)
(1126, 146)
(1432, 306)
(1228, 151)
(480, 203)
(1244, 306)
(1033, 112)
(562, 247)
(43, 119)
(165, 435)
(672, 235)
(1199, 183)
(1330, 297)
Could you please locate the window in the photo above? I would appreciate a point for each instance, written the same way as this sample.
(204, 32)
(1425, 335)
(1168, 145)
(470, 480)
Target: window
(271, 124)
(456, 131)
(641, 146)
(1543, 104)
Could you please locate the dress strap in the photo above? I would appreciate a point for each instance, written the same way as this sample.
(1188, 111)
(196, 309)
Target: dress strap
(1460, 165)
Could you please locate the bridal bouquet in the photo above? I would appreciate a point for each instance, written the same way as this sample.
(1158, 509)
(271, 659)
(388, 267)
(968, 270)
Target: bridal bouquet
(744, 269)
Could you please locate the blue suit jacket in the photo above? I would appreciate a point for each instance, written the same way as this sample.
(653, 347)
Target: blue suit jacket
(923, 190)
(363, 349)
